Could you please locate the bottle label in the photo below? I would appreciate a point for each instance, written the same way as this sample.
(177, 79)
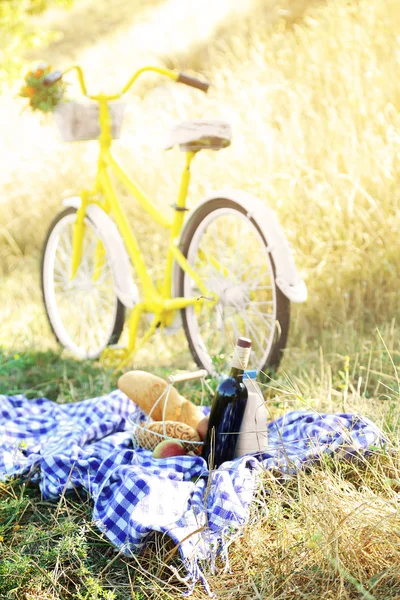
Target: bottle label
(240, 358)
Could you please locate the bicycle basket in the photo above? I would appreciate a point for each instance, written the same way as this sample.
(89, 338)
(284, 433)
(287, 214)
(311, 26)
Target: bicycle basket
(142, 437)
(79, 121)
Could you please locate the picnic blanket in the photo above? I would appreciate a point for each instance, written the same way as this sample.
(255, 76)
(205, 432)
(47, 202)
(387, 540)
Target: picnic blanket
(88, 445)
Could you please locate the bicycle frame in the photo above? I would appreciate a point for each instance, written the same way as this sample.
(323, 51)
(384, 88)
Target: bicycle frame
(161, 303)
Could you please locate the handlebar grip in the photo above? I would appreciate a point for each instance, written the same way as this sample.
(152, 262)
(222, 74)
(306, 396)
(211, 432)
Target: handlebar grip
(52, 78)
(193, 82)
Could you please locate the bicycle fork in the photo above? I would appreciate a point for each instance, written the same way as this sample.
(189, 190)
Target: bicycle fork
(77, 237)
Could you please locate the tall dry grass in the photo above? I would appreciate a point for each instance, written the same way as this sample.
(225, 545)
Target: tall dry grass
(312, 92)
(330, 533)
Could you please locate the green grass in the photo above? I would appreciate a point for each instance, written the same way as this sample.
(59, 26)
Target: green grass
(52, 550)
(63, 379)
(47, 374)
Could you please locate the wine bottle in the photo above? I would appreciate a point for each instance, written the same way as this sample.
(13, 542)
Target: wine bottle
(227, 410)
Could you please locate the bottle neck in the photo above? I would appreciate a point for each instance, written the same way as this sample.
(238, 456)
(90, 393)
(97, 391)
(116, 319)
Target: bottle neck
(236, 373)
(240, 361)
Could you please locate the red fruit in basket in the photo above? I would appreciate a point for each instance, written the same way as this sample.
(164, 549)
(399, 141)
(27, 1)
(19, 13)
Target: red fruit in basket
(168, 448)
(202, 428)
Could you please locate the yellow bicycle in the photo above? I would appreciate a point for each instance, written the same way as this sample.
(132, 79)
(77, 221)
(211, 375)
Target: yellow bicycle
(229, 269)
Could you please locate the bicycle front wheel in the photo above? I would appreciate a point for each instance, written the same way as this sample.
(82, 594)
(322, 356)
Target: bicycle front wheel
(85, 314)
(230, 254)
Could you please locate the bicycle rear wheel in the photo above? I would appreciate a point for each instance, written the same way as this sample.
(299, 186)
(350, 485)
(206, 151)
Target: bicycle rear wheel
(230, 254)
(85, 314)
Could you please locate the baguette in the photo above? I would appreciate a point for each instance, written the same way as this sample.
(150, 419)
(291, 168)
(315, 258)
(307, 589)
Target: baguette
(145, 389)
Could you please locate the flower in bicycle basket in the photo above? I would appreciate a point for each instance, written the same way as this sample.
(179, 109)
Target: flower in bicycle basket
(42, 97)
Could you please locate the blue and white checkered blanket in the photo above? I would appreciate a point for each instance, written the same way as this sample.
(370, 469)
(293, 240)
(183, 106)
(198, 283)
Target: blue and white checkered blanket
(88, 444)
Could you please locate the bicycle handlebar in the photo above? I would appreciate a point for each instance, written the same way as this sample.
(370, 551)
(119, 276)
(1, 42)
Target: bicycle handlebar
(193, 82)
(52, 78)
(55, 76)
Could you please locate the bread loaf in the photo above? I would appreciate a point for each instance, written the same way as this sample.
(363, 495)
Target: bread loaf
(145, 389)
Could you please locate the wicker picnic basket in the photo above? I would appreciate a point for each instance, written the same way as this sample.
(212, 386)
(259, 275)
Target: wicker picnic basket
(142, 437)
(79, 121)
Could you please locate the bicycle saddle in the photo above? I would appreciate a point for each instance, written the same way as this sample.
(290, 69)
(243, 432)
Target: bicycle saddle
(192, 136)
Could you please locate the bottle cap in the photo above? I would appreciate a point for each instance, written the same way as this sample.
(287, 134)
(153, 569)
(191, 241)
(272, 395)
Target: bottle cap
(251, 373)
(243, 342)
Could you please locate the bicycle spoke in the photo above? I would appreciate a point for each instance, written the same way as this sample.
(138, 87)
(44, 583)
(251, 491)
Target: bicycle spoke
(260, 302)
(254, 334)
(261, 320)
(236, 330)
(84, 309)
(261, 287)
(243, 280)
(65, 258)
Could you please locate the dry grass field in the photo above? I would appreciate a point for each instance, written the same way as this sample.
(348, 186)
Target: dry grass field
(313, 102)
(312, 90)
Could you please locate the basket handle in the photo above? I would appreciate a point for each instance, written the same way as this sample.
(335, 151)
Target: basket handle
(187, 376)
(171, 379)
